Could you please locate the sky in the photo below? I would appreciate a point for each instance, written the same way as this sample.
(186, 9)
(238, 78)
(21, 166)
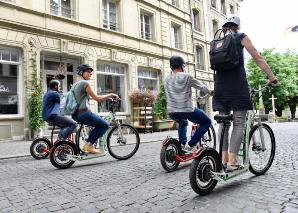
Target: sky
(265, 21)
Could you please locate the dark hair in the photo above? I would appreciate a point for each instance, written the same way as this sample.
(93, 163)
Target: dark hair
(53, 84)
(230, 26)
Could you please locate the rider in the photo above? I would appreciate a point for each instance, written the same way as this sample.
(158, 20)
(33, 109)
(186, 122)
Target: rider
(179, 103)
(83, 91)
(51, 111)
(232, 93)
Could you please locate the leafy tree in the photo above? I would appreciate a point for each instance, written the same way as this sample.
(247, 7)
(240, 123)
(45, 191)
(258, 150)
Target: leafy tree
(285, 67)
(160, 108)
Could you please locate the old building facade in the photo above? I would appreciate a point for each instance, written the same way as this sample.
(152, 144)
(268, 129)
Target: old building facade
(128, 42)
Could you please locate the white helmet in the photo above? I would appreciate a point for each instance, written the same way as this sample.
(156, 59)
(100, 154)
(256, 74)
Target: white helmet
(232, 19)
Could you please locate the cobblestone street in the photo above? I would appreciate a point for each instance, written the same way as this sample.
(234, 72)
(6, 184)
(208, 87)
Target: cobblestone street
(141, 185)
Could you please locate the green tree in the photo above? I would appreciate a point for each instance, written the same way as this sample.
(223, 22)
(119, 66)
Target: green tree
(160, 107)
(284, 67)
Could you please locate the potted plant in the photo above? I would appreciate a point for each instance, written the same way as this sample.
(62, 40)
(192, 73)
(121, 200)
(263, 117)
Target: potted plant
(142, 97)
(161, 120)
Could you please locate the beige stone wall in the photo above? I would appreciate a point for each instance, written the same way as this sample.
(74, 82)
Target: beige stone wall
(29, 26)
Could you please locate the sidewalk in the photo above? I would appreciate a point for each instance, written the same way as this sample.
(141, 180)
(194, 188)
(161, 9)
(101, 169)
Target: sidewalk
(15, 149)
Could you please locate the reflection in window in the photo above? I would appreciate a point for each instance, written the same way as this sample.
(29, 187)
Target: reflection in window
(111, 79)
(200, 58)
(148, 80)
(62, 8)
(109, 14)
(176, 36)
(146, 26)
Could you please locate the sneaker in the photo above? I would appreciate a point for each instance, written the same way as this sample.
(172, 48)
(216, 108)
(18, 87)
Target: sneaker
(189, 149)
(90, 149)
(233, 167)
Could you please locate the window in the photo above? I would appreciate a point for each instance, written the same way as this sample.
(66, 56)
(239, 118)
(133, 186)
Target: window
(232, 9)
(146, 26)
(175, 3)
(148, 79)
(196, 20)
(110, 15)
(176, 36)
(213, 3)
(215, 26)
(111, 78)
(223, 7)
(62, 8)
(10, 84)
(200, 58)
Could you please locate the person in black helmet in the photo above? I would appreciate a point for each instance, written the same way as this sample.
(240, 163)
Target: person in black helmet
(179, 103)
(83, 90)
(51, 111)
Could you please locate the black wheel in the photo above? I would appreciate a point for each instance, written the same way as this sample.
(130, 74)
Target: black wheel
(209, 138)
(200, 174)
(168, 153)
(82, 136)
(260, 158)
(123, 141)
(40, 148)
(60, 154)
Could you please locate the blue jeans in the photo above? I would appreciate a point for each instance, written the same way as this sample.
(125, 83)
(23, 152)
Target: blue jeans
(91, 119)
(67, 125)
(198, 116)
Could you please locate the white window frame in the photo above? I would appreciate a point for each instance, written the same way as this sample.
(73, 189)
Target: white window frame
(20, 83)
(214, 3)
(143, 25)
(214, 22)
(232, 9)
(196, 20)
(115, 74)
(175, 3)
(200, 60)
(107, 23)
(223, 7)
(176, 36)
(149, 78)
(46, 72)
(72, 9)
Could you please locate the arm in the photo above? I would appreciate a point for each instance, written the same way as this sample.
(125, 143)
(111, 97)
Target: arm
(260, 61)
(99, 98)
(199, 85)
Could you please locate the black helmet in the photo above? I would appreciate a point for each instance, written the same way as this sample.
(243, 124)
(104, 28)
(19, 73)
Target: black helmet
(54, 83)
(176, 62)
(81, 68)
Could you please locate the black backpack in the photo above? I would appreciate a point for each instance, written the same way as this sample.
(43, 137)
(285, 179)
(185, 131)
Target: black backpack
(223, 52)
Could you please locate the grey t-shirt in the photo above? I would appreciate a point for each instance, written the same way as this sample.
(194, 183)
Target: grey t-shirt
(80, 93)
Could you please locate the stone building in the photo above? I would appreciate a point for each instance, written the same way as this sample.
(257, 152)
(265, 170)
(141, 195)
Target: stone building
(128, 42)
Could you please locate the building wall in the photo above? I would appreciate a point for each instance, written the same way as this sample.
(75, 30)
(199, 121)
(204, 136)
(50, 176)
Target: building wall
(30, 27)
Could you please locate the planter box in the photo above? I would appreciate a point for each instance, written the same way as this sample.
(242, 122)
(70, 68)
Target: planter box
(163, 125)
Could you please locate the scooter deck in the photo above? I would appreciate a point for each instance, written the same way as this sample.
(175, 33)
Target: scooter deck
(225, 176)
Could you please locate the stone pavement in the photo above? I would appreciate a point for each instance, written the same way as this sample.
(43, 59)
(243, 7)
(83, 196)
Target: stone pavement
(141, 185)
(14, 149)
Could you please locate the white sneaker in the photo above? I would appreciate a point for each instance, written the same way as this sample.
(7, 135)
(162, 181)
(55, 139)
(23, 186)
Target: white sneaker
(189, 149)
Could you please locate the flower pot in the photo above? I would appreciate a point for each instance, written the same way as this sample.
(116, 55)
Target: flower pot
(163, 125)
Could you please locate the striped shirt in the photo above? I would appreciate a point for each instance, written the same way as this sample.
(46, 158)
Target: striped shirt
(178, 89)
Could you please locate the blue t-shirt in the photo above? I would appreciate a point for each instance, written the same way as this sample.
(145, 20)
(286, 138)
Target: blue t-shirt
(50, 104)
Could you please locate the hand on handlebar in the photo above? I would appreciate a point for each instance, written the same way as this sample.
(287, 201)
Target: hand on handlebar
(114, 96)
(273, 82)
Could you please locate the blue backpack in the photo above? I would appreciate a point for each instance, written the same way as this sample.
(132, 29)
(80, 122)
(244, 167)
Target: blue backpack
(69, 104)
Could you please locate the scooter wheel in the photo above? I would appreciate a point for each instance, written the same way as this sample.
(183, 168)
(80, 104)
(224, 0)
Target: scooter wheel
(60, 155)
(168, 153)
(40, 148)
(200, 174)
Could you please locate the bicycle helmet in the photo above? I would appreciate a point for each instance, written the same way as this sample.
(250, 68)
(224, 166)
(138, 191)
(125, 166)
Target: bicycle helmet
(231, 20)
(83, 67)
(176, 62)
(54, 83)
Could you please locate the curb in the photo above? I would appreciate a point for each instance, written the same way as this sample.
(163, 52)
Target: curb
(28, 155)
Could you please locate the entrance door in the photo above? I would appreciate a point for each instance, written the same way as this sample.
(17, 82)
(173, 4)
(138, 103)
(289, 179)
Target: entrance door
(50, 71)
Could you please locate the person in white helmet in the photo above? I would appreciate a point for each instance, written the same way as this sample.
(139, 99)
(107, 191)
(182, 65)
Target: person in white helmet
(232, 92)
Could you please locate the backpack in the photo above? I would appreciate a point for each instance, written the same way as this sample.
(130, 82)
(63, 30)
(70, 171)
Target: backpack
(223, 52)
(69, 104)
